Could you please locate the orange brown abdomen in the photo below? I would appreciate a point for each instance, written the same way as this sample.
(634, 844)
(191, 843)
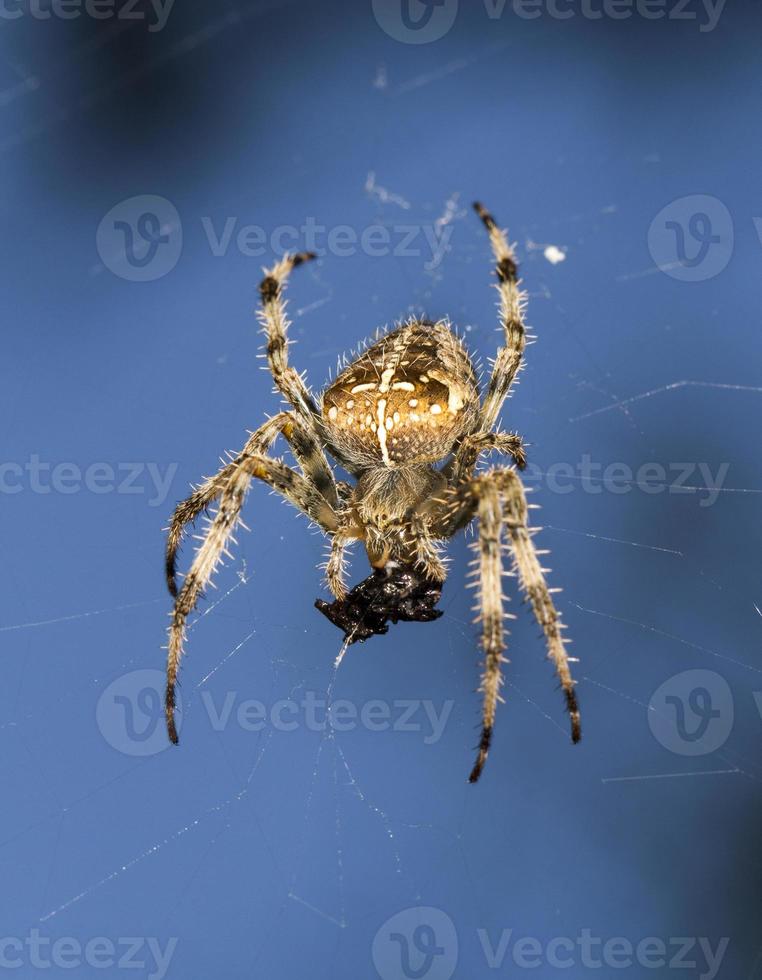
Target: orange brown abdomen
(406, 400)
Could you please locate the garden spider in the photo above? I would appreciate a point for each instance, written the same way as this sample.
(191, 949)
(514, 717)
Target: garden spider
(409, 401)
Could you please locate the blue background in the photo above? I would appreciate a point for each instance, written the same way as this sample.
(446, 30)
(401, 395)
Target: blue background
(282, 854)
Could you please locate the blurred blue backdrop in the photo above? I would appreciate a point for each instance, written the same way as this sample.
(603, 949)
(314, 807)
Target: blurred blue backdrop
(621, 150)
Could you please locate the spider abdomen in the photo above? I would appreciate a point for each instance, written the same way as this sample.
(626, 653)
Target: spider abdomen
(407, 399)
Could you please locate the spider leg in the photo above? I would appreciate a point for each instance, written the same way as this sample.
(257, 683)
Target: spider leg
(532, 578)
(427, 557)
(498, 499)
(335, 567)
(463, 462)
(490, 612)
(482, 497)
(272, 316)
(307, 449)
(297, 489)
(288, 381)
(512, 302)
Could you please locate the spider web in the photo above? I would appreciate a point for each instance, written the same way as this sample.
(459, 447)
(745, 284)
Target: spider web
(318, 876)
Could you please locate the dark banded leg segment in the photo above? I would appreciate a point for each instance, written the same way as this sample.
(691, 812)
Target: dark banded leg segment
(272, 316)
(296, 488)
(512, 302)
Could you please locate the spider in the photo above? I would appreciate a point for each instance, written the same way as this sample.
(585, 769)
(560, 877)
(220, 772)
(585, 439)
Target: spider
(409, 401)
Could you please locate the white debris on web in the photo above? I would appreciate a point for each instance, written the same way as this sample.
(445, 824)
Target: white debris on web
(380, 81)
(554, 254)
(383, 195)
(452, 211)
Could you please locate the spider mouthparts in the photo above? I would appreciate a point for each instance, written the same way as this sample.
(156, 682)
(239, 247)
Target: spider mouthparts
(400, 594)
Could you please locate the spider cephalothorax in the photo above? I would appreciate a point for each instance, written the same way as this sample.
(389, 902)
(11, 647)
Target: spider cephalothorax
(410, 401)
